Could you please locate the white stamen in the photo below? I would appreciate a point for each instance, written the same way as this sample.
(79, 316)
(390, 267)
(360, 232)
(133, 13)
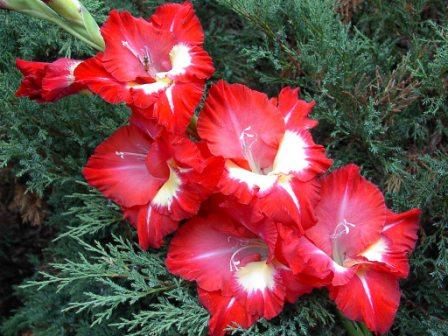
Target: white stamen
(123, 154)
(144, 56)
(132, 50)
(247, 140)
(343, 228)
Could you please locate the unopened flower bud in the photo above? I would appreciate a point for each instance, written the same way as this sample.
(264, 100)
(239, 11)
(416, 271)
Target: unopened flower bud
(69, 9)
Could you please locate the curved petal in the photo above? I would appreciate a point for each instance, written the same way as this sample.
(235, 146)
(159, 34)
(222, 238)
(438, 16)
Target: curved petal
(180, 20)
(92, 73)
(134, 47)
(371, 297)
(291, 200)
(177, 199)
(31, 85)
(350, 215)
(397, 240)
(189, 63)
(240, 123)
(175, 106)
(295, 111)
(298, 285)
(303, 257)
(259, 287)
(225, 311)
(243, 183)
(172, 106)
(300, 156)
(145, 95)
(118, 168)
(202, 251)
(402, 229)
(151, 225)
(149, 126)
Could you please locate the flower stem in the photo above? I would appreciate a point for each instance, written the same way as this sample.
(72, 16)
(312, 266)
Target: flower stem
(75, 33)
(354, 328)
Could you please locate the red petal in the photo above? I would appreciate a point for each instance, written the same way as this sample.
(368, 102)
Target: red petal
(190, 63)
(129, 41)
(145, 95)
(31, 85)
(350, 215)
(202, 249)
(298, 285)
(291, 201)
(243, 183)
(93, 74)
(259, 286)
(225, 312)
(397, 240)
(372, 297)
(239, 123)
(147, 125)
(300, 156)
(59, 80)
(304, 257)
(402, 229)
(175, 106)
(294, 110)
(153, 226)
(181, 20)
(118, 168)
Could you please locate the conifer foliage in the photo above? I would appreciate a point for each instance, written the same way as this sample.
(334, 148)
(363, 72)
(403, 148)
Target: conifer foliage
(239, 220)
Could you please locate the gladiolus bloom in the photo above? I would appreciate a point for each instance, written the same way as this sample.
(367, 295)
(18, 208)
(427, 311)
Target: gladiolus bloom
(238, 276)
(358, 244)
(48, 82)
(158, 66)
(270, 156)
(157, 182)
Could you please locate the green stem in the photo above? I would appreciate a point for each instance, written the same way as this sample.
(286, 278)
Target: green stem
(75, 33)
(354, 328)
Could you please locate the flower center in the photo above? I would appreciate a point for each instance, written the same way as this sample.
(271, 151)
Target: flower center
(247, 140)
(256, 276)
(341, 230)
(249, 250)
(144, 56)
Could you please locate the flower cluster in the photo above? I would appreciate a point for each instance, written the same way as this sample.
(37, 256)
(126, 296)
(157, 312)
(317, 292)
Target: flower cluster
(262, 221)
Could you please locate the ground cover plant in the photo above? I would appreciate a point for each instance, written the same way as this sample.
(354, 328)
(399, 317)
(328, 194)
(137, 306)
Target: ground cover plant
(378, 74)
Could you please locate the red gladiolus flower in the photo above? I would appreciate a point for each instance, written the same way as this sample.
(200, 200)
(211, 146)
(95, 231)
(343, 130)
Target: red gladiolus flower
(270, 156)
(359, 245)
(158, 66)
(157, 182)
(48, 82)
(234, 264)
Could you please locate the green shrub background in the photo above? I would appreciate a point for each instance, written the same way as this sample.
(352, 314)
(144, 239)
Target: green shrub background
(378, 71)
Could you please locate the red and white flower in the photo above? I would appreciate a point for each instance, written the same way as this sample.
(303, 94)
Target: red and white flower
(238, 275)
(48, 82)
(158, 66)
(357, 244)
(270, 156)
(157, 182)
